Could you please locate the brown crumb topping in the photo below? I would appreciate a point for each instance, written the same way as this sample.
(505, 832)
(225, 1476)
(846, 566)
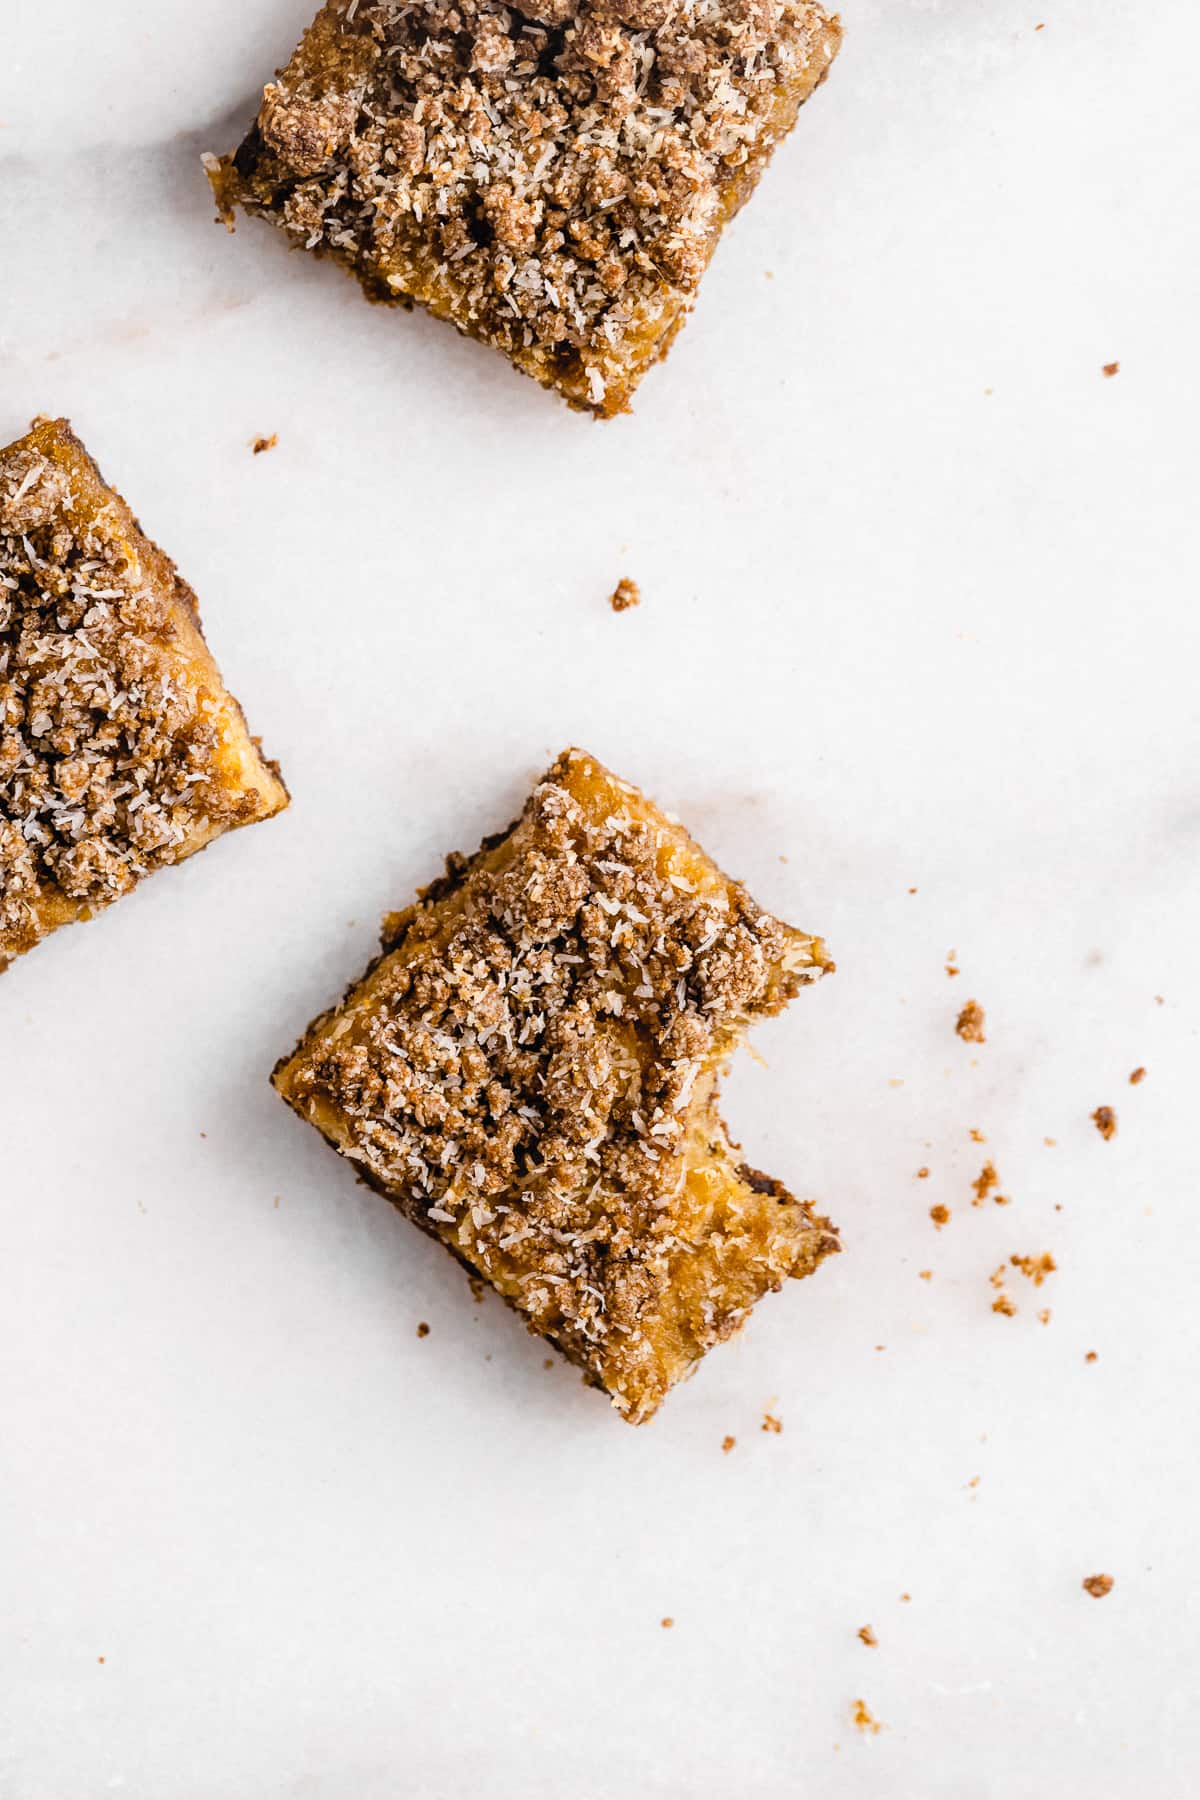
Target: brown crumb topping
(626, 594)
(864, 1719)
(867, 1636)
(1138, 1076)
(1002, 1304)
(1092, 1356)
(922, 1174)
(530, 1073)
(667, 1623)
(1111, 369)
(940, 1215)
(727, 1444)
(1105, 1121)
(1098, 1585)
(970, 1022)
(771, 1423)
(113, 732)
(977, 1136)
(422, 1330)
(1044, 1316)
(551, 176)
(264, 443)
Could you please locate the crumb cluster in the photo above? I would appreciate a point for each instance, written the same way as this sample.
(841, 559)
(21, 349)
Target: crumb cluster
(1098, 1585)
(530, 1072)
(111, 738)
(1105, 1121)
(626, 594)
(551, 175)
(970, 1022)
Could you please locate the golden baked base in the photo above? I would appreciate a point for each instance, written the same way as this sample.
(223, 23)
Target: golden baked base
(551, 177)
(529, 1072)
(120, 750)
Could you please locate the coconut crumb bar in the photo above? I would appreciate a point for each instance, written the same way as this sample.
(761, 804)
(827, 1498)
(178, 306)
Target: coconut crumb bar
(529, 1072)
(120, 750)
(551, 176)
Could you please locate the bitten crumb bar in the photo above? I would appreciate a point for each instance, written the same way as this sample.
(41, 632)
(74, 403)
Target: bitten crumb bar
(551, 176)
(120, 750)
(529, 1071)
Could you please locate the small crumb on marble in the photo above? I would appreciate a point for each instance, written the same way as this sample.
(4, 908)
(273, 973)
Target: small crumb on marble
(1098, 1585)
(626, 594)
(1138, 1076)
(977, 1136)
(1111, 369)
(867, 1636)
(259, 444)
(1035, 1268)
(984, 1182)
(952, 967)
(1002, 1304)
(1044, 1316)
(864, 1719)
(970, 1022)
(1105, 1121)
(925, 1274)
(422, 1329)
(667, 1623)
(922, 1174)
(727, 1444)
(940, 1215)
(771, 1423)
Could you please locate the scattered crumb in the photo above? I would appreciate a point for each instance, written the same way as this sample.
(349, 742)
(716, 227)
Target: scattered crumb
(548, 1363)
(1036, 1268)
(1138, 1076)
(259, 444)
(977, 1136)
(769, 274)
(952, 967)
(906, 1598)
(204, 1134)
(727, 1444)
(922, 1174)
(1050, 1143)
(867, 1636)
(864, 1718)
(1002, 1304)
(770, 1423)
(422, 1329)
(925, 1274)
(1097, 1585)
(984, 1182)
(667, 1623)
(1044, 1316)
(974, 1482)
(940, 1215)
(1111, 369)
(476, 1287)
(1105, 1121)
(1039, 28)
(912, 890)
(1159, 1001)
(99, 1659)
(999, 1276)
(969, 1025)
(881, 1346)
(626, 594)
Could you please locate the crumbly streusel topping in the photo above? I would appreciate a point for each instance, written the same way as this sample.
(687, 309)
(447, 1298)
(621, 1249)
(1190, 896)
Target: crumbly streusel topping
(527, 1071)
(106, 758)
(563, 168)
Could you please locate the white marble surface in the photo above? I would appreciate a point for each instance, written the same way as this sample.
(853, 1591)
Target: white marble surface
(919, 612)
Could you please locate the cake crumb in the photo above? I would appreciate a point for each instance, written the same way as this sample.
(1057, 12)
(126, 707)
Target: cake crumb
(952, 967)
(259, 444)
(974, 1482)
(1044, 1316)
(548, 1362)
(99, 1659)
(1138, 1076)
(422, 1329)
(1111, 369)
(1092, 1356)
(1050, 1143)
(1097, 1585)
(1002, 1304)
(867, 1636)
(771, 1423)
(865, 1719)
(977, 1136)
(940, 1215)
(1035, 1268)
(626, 594)
(1105, 1121)
(984, 1182)
(922, 1173)
(667, 1623)
(906, 1598)
(970, 1022)
(727, 1444)
(925, 1274)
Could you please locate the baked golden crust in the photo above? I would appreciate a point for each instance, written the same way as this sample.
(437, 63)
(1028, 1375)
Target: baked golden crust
(529, 1072)
(120, 750)
(551, 176)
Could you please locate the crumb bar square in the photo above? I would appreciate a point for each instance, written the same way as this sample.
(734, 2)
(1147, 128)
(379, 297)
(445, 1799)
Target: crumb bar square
(120, 750)
(529, 1072)
(551, 176)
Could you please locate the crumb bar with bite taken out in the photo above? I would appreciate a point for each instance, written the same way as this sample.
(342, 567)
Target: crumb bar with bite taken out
(529, 1071)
